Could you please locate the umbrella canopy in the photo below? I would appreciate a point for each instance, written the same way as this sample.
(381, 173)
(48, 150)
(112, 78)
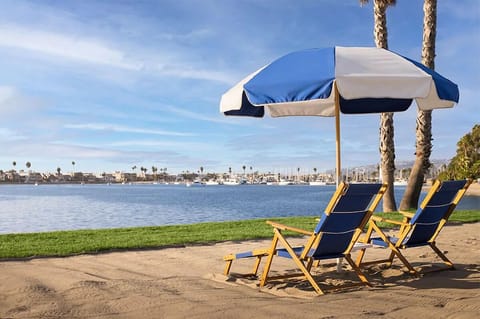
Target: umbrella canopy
(350, 80)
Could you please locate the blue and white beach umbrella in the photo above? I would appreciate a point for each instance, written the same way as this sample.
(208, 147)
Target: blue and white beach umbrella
(350, 80)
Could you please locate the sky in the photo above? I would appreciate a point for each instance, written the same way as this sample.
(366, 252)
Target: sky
(115, 84)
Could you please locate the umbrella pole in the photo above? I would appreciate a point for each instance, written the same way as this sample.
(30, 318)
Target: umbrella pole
(337, 136)
(337, 151)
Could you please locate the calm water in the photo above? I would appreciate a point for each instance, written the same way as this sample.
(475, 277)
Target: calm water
(28, 208)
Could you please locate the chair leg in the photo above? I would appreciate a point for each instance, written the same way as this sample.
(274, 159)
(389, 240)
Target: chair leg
(360, 256)
(442, 255)
(256, 265)
(310, 263)
(226, 271)
(394, 250)
(390, 259)
(278, 237)
(300, 264)
(366, 240)
(268, 263)
(397, 252)
(357, 270)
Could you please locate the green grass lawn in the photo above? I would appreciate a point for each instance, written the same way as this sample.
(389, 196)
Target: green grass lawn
(65, 243)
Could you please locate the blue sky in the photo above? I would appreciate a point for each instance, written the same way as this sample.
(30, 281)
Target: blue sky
(113, 84)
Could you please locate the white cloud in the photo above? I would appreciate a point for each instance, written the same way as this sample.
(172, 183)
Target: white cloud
(6, 94)
(188, 72)
(65, 46)
(12, 101)
(100, 52)
(9, 135)
(123, 129)
(197, 116)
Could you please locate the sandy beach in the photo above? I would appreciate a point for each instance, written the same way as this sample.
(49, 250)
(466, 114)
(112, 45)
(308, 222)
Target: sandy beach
(473, 190)
(187, 282)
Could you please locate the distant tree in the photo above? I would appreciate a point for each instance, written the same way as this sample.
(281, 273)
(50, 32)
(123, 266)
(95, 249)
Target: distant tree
(154, 171)
(73, 167)
(144, 172)
(58, 171)
(13, 175)
(28, 165)
(201, 169)
(244, 167)
(466, 163)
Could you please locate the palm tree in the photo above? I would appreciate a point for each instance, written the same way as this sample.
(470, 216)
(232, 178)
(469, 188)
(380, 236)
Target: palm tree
(144, 172)
(28, 165)
(154, 171)
(244, 167)
(13, 173)
(58, 171)
(423, 143)
(73, 167)
(387, 145)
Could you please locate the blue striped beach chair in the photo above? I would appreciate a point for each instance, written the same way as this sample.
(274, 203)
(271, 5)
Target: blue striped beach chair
(334, 236)
(417, 229)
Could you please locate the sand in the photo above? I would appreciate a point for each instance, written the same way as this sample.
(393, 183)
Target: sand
(187, 282)
(473, 190)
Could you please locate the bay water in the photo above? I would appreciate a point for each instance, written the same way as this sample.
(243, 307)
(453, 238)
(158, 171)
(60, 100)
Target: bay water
(29, 208)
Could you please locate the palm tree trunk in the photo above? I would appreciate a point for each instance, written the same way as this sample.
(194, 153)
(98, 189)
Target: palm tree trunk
(422, 163)
(380, 28)
(387, 145)
(387, 154)
(423, 147)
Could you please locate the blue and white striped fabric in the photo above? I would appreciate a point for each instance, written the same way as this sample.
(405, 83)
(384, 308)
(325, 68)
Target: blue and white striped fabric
(369, 80)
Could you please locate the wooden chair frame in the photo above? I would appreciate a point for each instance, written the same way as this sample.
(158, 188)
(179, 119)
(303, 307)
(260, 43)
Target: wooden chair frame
(406, 228)
(303, 260)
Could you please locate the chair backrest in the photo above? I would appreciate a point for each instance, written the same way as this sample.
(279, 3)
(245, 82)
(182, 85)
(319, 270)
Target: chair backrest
(345, 217)
(437, 206)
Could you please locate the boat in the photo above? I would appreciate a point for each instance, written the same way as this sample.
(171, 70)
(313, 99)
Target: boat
(285, 183)
(231, 182)
(196, 182)
(400, 182)
(317, 183)
(210, 183)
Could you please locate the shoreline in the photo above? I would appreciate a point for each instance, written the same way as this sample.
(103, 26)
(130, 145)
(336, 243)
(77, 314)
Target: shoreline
(473, 190)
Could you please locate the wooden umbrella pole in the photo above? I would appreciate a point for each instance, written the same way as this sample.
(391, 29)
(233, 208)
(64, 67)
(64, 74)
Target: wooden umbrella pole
(337, 142)
(337, 150)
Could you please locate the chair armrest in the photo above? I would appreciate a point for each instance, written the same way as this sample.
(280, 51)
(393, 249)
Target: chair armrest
(390, 221)
(290, 228)
(408, 215)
